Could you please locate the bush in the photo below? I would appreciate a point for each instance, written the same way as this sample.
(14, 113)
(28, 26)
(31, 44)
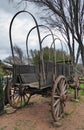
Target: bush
(1, 72)
(1, 93)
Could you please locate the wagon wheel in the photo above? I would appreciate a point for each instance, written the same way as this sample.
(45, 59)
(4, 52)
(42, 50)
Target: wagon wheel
(18, 95)
(59, 96)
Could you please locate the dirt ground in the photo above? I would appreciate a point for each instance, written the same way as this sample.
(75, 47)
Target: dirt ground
(37, 116)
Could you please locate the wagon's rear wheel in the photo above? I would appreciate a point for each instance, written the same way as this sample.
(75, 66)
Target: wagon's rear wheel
(18, 95)
(59, 96)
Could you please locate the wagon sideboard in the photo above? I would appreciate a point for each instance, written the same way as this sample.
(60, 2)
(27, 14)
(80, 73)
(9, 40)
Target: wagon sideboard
(32, 73)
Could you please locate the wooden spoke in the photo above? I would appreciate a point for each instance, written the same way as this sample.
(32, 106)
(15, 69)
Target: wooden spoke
(56, 103)
(56, 96)
(17, 96)
(59, 95)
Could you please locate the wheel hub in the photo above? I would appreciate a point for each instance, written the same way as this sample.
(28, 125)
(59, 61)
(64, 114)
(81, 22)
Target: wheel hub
(22, 92)
(63, 97)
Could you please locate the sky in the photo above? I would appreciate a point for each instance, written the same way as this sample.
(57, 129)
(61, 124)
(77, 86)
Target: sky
(21, 26)
(5, 17)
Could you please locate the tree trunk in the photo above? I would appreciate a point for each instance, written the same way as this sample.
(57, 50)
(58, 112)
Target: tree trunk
(82, 53)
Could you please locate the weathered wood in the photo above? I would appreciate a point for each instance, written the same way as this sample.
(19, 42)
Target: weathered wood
(59, 96)
(27, 78)
(30, 74)
(25, 73)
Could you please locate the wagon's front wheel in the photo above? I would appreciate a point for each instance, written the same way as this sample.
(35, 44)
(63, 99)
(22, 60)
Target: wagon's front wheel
(18, 95)
(59, 96)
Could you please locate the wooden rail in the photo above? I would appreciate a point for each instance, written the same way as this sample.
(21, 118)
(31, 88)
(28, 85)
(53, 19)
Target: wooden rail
(81, 80)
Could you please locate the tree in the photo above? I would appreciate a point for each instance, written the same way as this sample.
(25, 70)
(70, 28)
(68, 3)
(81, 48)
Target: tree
(68, 17)
(19, 53)
(48, 55)
(34, 56)
(19, 57)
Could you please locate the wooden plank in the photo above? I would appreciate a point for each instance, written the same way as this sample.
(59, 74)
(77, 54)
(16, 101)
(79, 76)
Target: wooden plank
(29, 78)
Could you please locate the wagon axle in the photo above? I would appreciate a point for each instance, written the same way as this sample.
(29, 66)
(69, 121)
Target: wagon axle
(41, 91)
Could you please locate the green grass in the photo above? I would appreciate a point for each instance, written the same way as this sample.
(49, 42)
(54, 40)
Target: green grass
(81, 92)
(82, 85)
(70, 90)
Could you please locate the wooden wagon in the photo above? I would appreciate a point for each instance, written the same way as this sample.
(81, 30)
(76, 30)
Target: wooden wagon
(28, 80)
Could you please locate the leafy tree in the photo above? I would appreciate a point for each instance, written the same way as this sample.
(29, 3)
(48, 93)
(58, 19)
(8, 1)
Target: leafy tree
(35, 56)
(48, 55)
